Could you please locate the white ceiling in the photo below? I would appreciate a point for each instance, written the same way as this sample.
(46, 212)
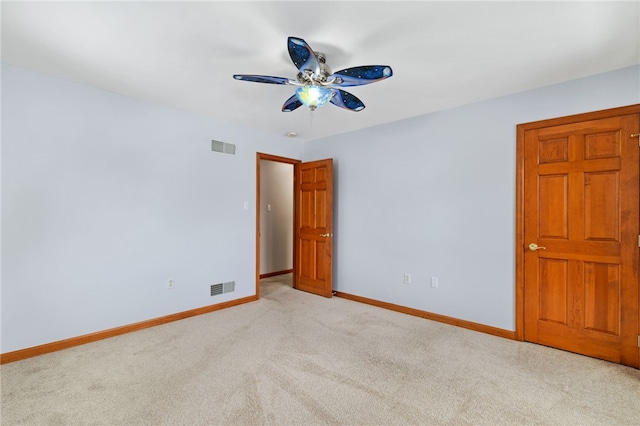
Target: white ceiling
(443, 54)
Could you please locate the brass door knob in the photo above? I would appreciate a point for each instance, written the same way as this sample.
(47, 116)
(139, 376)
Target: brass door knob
(535, 247)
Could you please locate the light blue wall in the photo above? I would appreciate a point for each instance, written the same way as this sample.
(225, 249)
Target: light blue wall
(104, 198)
(435, 196)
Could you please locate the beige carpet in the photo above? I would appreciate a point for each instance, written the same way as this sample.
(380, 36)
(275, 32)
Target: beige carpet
(295, 358)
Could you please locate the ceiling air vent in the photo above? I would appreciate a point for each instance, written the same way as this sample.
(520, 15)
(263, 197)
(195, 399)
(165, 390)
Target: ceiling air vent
(223, 147)
(220, 288)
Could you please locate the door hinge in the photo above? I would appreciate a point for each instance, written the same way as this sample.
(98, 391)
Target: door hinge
(639, 341)
(638, 240)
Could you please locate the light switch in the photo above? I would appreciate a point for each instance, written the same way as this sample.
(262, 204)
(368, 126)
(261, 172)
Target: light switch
(268, 207)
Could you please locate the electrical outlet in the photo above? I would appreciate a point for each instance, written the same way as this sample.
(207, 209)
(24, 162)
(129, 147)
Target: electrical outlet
(407, 278)
(171, 283)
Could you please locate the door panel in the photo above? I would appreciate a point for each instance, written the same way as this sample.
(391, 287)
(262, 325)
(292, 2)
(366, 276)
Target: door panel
(602, 297)
(553, 218)
(553, 290)
(580, 206)
(314, 227)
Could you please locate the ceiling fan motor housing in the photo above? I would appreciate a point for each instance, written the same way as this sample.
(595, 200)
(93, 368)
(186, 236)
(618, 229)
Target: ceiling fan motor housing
(307, 76)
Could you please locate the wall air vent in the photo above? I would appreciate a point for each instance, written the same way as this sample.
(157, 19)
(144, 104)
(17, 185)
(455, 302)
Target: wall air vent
(216, 289)
(228, 287)
(223, 147)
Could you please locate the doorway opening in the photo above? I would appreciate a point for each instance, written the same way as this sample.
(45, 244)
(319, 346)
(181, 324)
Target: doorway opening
(275, 217)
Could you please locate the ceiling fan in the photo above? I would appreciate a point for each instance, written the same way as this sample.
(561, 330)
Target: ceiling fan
(317, 85)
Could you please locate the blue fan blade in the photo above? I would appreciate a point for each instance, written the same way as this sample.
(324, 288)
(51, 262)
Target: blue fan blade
(291, 104)
(261, 79)
(303, 57)
(346, 100)
(358, 76)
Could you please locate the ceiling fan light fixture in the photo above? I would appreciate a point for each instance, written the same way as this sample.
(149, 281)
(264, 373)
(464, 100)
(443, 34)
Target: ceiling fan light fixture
(314, 96)
(317, 85)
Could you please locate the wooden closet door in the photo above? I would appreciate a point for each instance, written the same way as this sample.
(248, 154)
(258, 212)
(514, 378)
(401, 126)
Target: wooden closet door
(581, 238)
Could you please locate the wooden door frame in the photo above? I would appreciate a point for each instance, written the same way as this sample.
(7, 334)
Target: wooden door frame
(269, 157)
(520, 243)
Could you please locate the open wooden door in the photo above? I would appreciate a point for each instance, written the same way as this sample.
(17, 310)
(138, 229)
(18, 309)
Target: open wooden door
(580, 234)
(314, 227)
